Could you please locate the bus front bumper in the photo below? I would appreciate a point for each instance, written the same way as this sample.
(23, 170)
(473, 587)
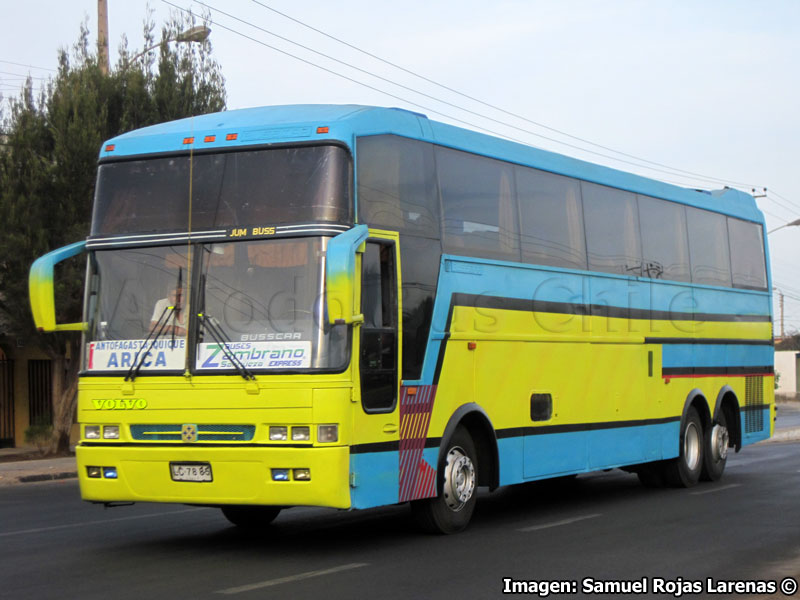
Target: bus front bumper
(238, 475)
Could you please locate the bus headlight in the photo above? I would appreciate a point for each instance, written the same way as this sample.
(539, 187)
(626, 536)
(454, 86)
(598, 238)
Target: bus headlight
(328, 433)
(111, 432)
(301, 434)
(91, 432)
(278, 433)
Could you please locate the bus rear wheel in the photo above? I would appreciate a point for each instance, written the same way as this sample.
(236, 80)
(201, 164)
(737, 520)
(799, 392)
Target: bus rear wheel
(451, 510)
(685, 470)
(250, 517)
(715, 454)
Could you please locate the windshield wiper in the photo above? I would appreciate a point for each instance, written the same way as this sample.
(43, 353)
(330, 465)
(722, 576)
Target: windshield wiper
(138, 360)
(219, 337)
(158, 330)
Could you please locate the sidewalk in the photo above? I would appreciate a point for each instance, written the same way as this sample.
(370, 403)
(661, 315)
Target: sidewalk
(787, 429)
(28, 471)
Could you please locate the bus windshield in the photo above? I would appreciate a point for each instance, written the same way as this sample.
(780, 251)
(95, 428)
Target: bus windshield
(230, 189)
(260, 302)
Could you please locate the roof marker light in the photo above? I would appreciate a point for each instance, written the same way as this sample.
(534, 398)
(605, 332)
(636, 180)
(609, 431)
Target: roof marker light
(209, 138)
(188, 140)
(323, 129)
(110, 148)
(231, 137)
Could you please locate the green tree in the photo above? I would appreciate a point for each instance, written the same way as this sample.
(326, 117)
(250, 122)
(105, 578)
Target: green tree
(50, 143)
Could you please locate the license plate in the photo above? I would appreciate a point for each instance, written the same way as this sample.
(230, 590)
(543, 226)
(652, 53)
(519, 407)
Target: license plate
(190, 471)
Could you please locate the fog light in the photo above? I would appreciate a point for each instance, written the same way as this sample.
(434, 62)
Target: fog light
(111, 432)
(94, 472)
(110, 472)
(280, 474)
(302, 474)
(91, 432)
(278, 434)
(301, 434)
(328, 433)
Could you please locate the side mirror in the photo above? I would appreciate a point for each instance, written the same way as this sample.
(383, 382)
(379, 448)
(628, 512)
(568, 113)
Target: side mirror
(42, 294)
(341, 277)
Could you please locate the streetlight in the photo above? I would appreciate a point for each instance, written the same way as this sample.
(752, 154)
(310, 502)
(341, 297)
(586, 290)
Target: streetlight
(197, 34)
(794, 223)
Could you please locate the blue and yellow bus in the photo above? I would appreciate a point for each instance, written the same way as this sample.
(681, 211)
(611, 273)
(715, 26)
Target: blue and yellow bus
(351, 306)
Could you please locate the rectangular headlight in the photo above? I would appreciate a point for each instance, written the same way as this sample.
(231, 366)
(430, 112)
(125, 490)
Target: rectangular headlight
(91, 432)
(94, 472)
(278, 433)
(301, 434)
(302, 474)
(328, 433)
(111, 432)
(280, 474)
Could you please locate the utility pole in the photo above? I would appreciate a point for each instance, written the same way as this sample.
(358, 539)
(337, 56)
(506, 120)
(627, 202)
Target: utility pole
(780, 308)
(102, 35)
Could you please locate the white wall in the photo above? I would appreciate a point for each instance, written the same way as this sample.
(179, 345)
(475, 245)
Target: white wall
(786, 365)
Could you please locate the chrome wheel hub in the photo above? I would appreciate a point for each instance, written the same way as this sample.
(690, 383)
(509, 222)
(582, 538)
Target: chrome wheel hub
(459, 479)
(719, 442)
(691, 446)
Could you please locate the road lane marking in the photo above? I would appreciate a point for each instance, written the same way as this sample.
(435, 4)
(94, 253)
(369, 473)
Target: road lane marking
(716, 489)
(101, 522)
(290, 578)
(559, 523)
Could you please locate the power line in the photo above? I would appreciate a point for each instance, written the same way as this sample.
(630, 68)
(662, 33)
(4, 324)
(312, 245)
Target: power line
(23, 75)
(416, 104)
(8, 62)
(774, 193)
(502, 110)
(331, 71)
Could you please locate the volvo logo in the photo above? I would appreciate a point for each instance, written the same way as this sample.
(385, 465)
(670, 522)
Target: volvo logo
(189, 433)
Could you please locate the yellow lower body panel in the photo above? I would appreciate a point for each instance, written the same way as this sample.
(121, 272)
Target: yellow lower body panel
(240, 475)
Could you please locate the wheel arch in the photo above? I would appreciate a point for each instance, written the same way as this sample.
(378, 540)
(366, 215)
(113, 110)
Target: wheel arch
(480, 428)
(697, 399)
(728, 401)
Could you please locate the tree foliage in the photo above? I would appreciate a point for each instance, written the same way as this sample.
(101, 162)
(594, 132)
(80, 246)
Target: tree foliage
(48, 157)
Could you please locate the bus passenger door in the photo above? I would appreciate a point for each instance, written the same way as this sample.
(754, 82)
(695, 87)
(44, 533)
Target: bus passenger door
(374, 457)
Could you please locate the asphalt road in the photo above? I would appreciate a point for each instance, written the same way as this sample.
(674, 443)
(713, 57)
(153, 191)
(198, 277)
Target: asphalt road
(603, 526)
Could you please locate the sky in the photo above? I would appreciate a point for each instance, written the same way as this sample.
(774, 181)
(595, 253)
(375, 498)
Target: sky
(710, 88)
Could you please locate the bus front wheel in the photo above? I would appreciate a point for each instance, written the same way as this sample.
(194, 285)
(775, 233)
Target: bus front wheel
(451, 510)
(685, 470)
(250, 517)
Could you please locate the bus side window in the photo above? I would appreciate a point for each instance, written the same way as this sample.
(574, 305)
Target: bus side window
(379, 330)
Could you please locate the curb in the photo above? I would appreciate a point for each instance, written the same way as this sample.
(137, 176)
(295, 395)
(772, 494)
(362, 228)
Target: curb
(48, 477)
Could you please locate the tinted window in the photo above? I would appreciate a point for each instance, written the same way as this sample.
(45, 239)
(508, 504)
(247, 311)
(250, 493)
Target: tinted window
(259, 187)
(551, 219)
(708, 247)
(420, 271)
(665, 247)
(397, 185)
(747, 254)
(612, 230)
(478, 205)
(379, 331)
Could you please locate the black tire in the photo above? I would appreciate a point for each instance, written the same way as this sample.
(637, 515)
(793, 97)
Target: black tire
(651, 475)
(250, 517)
(715, 452)
(457, 483)
(684, 471)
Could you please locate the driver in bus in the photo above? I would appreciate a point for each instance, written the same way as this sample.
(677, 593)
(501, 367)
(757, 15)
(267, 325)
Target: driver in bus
(176, 321)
